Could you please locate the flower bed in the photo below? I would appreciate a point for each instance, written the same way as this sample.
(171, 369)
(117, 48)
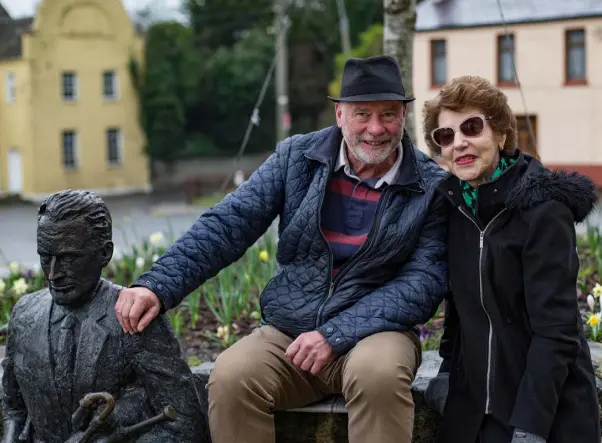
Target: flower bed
(589, 290)
(226, 307)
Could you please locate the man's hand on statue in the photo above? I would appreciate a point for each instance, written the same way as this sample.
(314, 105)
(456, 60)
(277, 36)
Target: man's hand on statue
(136, 308)
(310, 352)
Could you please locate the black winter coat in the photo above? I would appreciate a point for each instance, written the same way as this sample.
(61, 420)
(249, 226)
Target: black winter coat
(514, 343)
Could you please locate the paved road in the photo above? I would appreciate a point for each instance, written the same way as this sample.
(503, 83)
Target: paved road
(134, 217)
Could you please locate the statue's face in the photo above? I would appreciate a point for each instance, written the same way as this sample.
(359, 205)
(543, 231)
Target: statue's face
(69, 259)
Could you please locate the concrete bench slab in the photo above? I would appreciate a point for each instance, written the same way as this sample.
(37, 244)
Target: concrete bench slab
(326, 421)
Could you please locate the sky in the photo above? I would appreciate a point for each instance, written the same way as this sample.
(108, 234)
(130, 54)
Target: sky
(25, 8)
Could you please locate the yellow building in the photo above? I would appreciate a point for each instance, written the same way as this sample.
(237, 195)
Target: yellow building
(68, 110)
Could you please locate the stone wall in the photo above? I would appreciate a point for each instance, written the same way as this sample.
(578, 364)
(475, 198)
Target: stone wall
(204, 175)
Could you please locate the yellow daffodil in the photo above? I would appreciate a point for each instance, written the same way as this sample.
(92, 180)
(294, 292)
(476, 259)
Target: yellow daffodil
(593, 320)
(597, 291)
(264, 256)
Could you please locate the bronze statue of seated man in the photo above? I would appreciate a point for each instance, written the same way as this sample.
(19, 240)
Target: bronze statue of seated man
(71, 374)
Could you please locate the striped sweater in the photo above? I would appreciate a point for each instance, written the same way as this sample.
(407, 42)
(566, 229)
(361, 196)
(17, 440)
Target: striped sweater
(347, 214)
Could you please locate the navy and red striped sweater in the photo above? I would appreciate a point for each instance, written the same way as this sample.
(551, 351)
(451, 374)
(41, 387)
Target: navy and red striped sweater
(347, 215)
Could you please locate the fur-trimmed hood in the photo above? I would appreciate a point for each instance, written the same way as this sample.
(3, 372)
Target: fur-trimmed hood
(539, 184)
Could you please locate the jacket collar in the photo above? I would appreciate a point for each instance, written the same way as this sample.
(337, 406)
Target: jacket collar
(326, 150)
(493, 195)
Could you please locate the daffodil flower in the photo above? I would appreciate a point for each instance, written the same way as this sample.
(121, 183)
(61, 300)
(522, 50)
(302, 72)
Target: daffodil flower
(594, 320)
(597, 291)
(264, 256)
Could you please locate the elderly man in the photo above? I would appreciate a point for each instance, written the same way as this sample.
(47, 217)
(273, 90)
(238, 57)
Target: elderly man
(360, 263)
(64, 342)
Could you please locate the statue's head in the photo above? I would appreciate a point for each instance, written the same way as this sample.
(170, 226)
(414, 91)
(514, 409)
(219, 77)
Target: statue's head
(74, 243)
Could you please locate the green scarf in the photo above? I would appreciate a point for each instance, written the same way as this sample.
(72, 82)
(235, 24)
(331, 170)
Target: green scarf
(470, 194)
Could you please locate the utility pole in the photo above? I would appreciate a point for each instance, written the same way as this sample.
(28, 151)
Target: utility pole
(283, 119)
(344, 27)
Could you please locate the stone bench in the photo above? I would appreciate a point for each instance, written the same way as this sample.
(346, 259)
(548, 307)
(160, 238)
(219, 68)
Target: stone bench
(326, 421)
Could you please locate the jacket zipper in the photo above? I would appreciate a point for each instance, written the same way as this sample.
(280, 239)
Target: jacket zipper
(359, 254)
(330, 258)
(490, 340)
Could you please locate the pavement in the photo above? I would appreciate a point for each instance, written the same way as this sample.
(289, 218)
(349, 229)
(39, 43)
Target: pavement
(134, 218)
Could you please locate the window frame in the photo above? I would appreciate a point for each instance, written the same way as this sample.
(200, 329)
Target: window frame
(74, 86)
(499, 50)
(75, 147)
(10, 92)
(434, 54)
(119, 146)
(114, 85)
(568, 80)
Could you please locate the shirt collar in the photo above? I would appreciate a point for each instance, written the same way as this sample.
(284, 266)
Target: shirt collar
(387, 179)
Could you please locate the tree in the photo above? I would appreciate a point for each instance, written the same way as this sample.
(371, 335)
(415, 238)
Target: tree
(167, 88)
(219, 23)
(371, 44)
(314, 41)
(398, 39)
(232, 79)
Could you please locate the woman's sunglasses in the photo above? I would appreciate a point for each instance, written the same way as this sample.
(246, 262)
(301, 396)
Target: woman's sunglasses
(471, 127)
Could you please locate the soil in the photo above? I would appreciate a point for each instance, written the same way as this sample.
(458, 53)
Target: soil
(197, 345)
(195, 342)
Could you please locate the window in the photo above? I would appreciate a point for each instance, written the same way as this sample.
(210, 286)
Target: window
(505, 60)
(575, 56)
(525, 141)
(114, 151)
(109, 85)
(10, 87)
(438, 62)
(69, 86)
(70, 149)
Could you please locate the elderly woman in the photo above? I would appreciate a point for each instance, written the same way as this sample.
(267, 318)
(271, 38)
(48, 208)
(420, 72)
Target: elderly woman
(514, 349)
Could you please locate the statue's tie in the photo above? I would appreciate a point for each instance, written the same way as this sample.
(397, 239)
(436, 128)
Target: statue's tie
(65, 359)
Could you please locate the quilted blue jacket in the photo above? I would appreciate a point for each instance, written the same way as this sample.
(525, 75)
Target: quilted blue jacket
(395, 281)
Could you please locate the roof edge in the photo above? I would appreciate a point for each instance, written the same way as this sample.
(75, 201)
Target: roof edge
(510, 23)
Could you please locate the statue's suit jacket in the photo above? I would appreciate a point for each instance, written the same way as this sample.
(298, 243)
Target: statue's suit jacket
(107, 360)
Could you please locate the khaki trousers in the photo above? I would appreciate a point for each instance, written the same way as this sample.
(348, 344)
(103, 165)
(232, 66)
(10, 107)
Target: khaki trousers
(253, 378)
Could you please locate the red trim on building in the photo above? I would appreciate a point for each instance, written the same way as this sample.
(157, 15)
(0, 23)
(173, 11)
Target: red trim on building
(592, 171)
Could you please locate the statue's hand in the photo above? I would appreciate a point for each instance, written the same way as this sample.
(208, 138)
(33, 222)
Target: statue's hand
(136, 307)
